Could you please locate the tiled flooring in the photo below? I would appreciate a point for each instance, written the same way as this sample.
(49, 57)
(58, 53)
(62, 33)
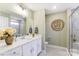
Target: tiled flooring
(54, 51)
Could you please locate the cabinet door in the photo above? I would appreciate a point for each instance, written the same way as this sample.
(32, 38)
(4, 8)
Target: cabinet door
(39, 48)
(30, 49)
(34, 47)
(14, 52)
(27, 51)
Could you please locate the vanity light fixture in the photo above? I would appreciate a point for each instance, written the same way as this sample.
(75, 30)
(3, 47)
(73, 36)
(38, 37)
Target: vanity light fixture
(21, 11)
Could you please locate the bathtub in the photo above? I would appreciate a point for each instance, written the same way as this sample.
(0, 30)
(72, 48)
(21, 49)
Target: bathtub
(76, 45)
(75, 50)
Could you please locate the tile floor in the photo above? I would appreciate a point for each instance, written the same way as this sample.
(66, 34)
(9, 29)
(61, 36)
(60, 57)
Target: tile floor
(54, 51)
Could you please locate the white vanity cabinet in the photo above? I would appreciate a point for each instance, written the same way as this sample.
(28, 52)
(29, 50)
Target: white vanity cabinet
(27, 49)
(14, 52)
(31, 47)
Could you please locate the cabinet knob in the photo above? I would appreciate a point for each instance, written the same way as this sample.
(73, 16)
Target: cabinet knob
(32, 50)
(14, 52)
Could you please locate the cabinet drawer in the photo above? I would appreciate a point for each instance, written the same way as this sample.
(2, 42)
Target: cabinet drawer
(14, 52)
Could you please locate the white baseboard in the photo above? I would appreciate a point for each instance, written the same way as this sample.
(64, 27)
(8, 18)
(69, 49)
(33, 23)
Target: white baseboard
(56, 46)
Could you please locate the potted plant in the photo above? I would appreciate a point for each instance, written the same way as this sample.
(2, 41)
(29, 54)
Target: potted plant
(7, 34)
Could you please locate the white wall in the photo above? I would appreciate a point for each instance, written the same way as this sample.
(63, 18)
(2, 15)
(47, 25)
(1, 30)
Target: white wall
(39, 21)
(29, 21)
(58, 38)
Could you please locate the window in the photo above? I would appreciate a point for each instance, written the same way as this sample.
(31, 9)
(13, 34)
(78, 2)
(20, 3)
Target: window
(3, 21)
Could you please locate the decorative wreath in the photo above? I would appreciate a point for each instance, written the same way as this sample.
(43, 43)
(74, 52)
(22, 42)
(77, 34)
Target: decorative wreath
(57, 25)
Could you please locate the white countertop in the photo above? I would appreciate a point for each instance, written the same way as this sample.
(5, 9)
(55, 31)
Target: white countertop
(19, 41)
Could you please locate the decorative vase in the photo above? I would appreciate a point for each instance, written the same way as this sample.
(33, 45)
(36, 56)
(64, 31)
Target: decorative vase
(9, 40)
(30, 30)
(36, 30)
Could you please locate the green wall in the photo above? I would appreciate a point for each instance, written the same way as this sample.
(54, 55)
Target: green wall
(58, 38)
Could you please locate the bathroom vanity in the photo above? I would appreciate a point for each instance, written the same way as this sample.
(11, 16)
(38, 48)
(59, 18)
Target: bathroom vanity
(22, 46)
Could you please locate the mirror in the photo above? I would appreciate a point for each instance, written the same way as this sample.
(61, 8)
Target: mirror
(9, 17)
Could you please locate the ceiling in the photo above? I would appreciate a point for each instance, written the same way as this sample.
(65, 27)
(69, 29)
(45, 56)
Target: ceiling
(51, 7)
